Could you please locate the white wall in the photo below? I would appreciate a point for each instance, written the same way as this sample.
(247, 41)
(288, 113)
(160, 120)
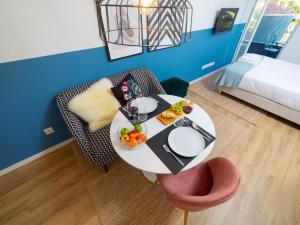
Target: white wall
(206, 11)
(291, 52)
(34, 28)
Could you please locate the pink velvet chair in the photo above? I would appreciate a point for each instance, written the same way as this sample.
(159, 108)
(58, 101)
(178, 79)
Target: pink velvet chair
(206, 185)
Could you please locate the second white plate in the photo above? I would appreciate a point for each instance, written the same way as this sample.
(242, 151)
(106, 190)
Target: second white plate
(145, 104)
(186, 141)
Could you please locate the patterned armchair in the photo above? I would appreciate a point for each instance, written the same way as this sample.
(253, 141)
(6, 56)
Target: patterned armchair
(97, 146)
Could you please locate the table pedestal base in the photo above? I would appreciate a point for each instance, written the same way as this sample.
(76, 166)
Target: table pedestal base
(150, 176)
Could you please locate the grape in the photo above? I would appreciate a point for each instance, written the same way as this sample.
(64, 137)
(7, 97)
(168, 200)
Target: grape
(177, 107)
(182, 102)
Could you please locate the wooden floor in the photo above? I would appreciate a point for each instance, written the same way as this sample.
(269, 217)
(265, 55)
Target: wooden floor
(62, 188)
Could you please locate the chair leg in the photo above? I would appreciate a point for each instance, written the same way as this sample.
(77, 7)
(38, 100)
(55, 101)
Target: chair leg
(186, 217)
(105, 168)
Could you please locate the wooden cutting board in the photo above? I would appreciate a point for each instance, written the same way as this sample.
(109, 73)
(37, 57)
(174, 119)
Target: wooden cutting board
(165, 120)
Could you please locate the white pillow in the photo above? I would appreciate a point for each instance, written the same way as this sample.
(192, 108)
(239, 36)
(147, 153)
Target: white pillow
(96, 105)
(251, 58)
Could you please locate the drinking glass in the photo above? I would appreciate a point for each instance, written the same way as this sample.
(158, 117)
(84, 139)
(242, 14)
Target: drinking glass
(181, 122)
(132, 111)
(142, 117)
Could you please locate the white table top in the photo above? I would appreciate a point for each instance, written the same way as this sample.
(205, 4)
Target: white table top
(143, 157)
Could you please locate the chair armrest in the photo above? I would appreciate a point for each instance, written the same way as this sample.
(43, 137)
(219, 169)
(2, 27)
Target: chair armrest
(74, 125)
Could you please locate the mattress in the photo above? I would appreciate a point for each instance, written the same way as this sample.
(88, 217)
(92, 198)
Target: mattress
(275, 80)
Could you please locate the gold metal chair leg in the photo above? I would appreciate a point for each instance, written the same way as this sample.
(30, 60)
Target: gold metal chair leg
(186, 217)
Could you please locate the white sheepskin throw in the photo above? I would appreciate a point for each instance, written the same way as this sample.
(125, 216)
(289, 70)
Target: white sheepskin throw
(96, 105)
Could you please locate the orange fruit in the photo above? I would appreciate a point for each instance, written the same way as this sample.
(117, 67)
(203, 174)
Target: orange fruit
(132, 142)
(141, 137)
(133, 135)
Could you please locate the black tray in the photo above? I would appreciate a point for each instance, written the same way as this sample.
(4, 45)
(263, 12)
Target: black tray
(156, 145)
(162, 106)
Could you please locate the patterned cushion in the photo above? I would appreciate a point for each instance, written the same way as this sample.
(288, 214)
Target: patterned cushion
(127, 89)
(97, 146)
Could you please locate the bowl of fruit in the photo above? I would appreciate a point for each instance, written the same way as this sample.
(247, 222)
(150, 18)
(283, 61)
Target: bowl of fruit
(133, 137)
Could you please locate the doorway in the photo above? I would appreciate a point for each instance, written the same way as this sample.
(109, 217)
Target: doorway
(270, 26)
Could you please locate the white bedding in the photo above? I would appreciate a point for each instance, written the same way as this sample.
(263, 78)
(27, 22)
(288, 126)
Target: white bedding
(276, 80)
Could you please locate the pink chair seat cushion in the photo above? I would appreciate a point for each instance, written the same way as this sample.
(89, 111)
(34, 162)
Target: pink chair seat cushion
(206, 185)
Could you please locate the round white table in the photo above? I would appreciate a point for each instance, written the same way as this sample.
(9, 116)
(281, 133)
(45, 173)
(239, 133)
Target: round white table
(143, 158)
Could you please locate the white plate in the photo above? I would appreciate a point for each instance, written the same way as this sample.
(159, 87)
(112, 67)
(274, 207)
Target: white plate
(186, 141)
(145, 104)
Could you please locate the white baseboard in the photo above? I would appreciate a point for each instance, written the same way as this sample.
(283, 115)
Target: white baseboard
(34, 157)
(207, 75)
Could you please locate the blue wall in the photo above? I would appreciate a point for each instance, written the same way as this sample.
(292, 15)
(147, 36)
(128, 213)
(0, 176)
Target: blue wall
(28, 87)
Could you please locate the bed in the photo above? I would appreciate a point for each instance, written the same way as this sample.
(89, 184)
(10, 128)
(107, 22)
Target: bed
(271, 84)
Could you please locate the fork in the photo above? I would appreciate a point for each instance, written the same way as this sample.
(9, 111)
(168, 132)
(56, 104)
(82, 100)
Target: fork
(167, 149)
(126, 110)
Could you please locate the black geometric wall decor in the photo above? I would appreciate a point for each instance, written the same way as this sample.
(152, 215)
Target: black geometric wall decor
(156, 24)
(169, 26)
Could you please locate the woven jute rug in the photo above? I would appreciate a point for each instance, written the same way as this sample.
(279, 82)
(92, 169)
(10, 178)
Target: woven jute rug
(126, 197)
